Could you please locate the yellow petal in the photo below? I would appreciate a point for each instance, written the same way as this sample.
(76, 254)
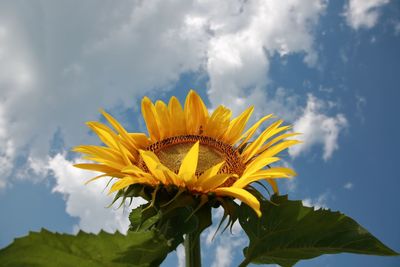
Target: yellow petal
(151, 119)
(95, 167)
(110, 138)
(140, 139)
(196, 114)
(218, 123)
(242, 195)
(152, 163)
(276, 140)
(177, 116)
(117, 175)
(125, 154)
(127, 181)
(188, 167)
(208, 174)
(99, 151)
(211, 171)
(279, 147)
(252, 149)
(163, 119)
(214, 181)
(249, 133)
(106, 135)
(134, 170)
(257, 164)
(170, 176)
(276, 172)
(117, 165)
(273, 184)
(237, 126)
(121, 130)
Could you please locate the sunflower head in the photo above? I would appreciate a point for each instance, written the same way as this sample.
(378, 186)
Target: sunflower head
(190, 152)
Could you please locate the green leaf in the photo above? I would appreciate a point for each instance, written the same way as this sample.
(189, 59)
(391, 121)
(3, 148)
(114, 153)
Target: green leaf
(143, 217)
(146, 248)
(289, 232)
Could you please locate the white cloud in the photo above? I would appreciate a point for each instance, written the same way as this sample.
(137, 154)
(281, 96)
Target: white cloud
(317, 128)
(226, 249)
(56, 72)
(180, 253)
(291, 185)
(112, 55)
(361, 102)
(363, 13)
(318, 203)
(7, 151)
(223, 244)
(238, 57)
(348, 185)
(396, 26)
(115, 53)
(88, 202)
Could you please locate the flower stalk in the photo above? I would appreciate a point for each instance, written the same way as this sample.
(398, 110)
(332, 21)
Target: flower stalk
(192, 250)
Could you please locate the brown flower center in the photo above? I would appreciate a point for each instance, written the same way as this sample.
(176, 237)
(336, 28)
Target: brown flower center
(172, 150)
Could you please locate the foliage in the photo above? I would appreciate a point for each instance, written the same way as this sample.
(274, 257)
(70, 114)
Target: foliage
(288, 232)
(88, 250)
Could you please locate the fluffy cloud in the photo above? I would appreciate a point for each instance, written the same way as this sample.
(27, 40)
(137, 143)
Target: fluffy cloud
(88, 202)
(363, 13)
(7, 151)
(55, 72)
(55, 75)
(318, 128)
(238, 57)
(58, 74)
(180, 253)
(223, 244)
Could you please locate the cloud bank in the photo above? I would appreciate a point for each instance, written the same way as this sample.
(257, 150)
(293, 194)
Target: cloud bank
(55, 72)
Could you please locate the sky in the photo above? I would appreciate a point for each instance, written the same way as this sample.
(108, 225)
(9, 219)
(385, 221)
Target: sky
(329, 68)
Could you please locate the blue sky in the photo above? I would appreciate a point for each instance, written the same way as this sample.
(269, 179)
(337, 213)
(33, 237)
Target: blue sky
(330, 68)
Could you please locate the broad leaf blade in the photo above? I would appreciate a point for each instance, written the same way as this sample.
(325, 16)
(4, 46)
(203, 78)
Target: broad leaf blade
(88, 250)
(289, 232)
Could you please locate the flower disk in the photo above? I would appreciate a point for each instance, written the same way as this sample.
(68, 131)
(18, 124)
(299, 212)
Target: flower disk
(190, 149)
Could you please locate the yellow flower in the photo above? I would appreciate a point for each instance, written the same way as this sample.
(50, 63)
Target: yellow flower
(191, 149)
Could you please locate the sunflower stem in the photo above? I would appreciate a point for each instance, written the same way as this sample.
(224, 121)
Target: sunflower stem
(192, 250)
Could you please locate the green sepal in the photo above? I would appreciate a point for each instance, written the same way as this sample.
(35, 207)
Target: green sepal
(47, 249)
(288, 232)
(186, 214)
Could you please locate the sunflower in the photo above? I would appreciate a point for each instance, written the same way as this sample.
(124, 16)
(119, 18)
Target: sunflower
(186, 147)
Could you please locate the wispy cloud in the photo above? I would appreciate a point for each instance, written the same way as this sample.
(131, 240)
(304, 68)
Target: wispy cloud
(318, 128)
(348, 185)
(88, 203)
(361, 102)
(396, 26)
(319, 202)
(363, 13)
